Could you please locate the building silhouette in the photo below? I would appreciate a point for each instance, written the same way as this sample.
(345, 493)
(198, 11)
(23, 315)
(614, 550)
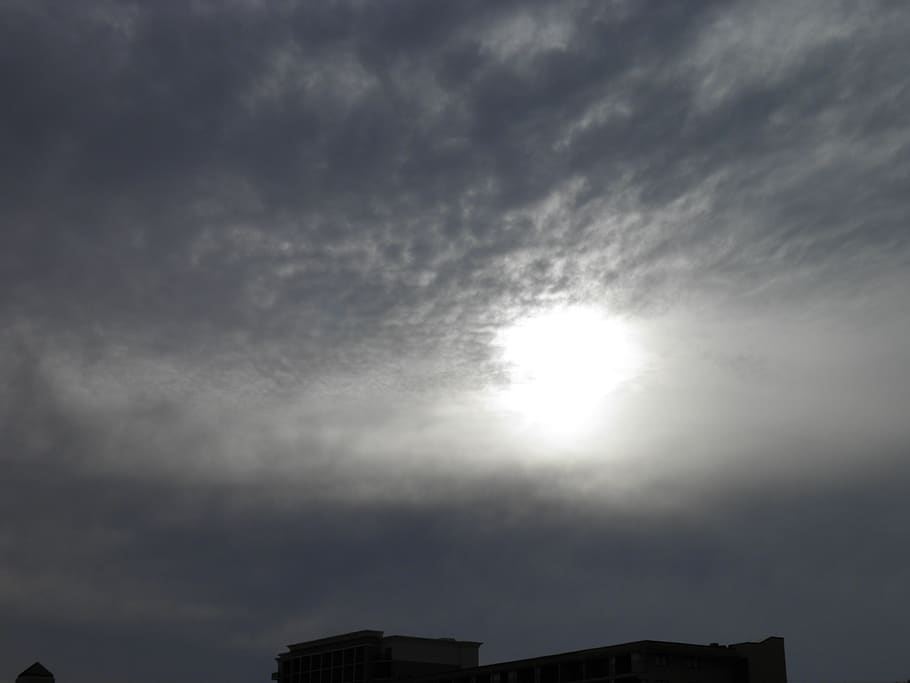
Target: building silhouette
(372, 657)
(36, 673)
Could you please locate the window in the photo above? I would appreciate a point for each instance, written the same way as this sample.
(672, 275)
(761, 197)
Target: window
(597, 668)
(570, 672)
(623, 664)
(660, 660)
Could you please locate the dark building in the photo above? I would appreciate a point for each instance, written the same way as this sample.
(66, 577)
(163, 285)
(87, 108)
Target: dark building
(371, 657)
(36, 673)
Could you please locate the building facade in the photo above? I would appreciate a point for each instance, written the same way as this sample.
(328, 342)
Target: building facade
(372, 657)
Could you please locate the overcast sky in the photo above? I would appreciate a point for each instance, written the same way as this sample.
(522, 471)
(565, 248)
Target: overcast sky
(548, 325)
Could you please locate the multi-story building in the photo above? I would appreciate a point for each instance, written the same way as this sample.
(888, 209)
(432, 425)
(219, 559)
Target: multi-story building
(372, 657)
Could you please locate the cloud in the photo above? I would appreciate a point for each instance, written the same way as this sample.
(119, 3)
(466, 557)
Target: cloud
(255, 257)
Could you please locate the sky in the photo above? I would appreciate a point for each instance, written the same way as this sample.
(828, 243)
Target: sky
(549, 325)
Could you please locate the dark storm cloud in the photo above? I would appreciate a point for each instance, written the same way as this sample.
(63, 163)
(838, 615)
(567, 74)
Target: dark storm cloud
(324, 160)
(253, 259)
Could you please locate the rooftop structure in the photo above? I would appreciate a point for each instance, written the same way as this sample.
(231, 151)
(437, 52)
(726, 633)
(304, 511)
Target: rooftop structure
(36, 673)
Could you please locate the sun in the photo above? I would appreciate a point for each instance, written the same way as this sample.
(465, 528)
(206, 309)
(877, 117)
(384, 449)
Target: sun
(563, 363)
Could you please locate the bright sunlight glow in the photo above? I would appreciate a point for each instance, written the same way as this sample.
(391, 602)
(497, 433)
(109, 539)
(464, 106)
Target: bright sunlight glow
(562, 364)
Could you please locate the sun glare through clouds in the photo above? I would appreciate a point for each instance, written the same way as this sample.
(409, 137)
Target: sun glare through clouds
(562, 364)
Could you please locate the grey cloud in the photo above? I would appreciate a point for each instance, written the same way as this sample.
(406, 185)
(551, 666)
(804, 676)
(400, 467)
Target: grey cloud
(743, 563)
(337, 162)
(254, 256)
